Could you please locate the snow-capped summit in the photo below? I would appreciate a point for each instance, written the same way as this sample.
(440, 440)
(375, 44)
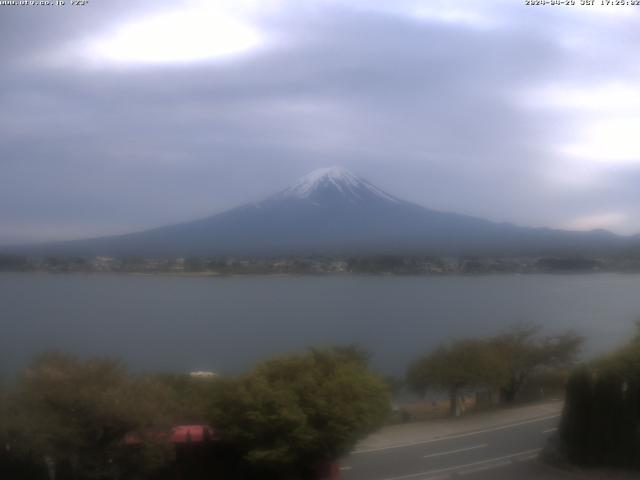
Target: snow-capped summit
(338, 177)
(333, 211)
(336, 181)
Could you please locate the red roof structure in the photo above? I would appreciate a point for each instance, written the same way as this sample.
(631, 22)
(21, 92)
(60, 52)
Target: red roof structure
(192, 434)
(180, 434)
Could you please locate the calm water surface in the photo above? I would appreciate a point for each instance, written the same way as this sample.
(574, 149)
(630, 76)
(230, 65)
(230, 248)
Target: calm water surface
(226, 324)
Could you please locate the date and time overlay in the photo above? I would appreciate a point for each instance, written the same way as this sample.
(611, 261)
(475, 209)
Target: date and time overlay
(532, 3)
(44, 3)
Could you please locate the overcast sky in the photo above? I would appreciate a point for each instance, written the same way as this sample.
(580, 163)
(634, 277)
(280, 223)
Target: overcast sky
(121, 115)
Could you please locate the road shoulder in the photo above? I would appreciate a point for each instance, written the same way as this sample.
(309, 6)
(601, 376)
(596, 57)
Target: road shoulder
(396, 436)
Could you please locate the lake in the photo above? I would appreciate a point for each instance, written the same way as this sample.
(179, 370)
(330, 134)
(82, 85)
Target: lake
(226, 324)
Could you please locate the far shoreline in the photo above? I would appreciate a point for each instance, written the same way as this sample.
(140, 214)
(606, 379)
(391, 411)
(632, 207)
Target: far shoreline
(213, 275)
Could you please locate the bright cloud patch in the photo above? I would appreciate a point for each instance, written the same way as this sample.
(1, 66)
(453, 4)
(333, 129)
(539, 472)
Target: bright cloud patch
(184, 36)
(607, 126)
(612, 140)
(610, 97)
(609, 220)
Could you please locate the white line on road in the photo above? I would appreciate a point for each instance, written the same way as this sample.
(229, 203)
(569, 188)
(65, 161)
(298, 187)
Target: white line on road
(482, 468)
(475, 447)
(499, 461)
(451, 437)
(502, 463)
(549, 430)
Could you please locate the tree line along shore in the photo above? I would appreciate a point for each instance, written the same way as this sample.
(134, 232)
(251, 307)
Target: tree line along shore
(313, 265)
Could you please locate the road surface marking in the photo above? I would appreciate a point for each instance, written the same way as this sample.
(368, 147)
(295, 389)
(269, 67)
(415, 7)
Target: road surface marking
(483, 468)
(456, 451)
(345, 467)
(452, 437)
(549, 430)
(502, 463)
(497, 460)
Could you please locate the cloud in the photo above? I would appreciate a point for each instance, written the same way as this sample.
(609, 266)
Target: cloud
(607, 220)
(488, 109)
(183, 35)
(606, 123)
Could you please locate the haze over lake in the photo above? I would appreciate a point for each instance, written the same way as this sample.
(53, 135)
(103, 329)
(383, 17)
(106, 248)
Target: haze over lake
(226, 324)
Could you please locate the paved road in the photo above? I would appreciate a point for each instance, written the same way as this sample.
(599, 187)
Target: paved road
(500, 452)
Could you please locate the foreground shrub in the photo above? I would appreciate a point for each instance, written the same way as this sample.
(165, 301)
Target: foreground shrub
(70, 416)
(601, 421)
(293, 414)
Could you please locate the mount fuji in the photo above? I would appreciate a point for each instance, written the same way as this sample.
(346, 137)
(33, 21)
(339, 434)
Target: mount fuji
(333, 211)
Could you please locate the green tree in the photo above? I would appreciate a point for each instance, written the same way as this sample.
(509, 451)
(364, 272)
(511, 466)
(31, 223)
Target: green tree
(353, 353)
(293, 413)
(469, 363)
(76, 413)
(524, 352)
(189, 397)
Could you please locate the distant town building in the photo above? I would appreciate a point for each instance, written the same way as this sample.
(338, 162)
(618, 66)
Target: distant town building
(202, 374)
(178, 265)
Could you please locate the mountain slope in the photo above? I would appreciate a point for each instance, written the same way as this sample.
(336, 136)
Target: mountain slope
(332, 211)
